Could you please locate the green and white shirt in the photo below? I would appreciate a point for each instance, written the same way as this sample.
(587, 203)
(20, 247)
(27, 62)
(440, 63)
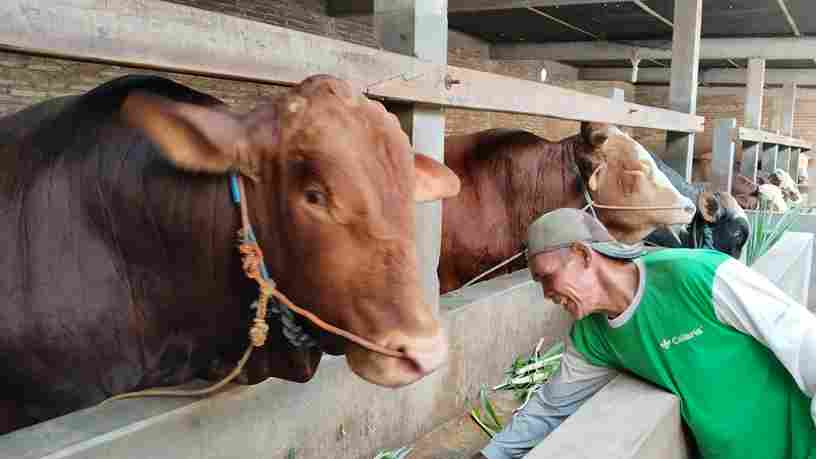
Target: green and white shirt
(739, 353)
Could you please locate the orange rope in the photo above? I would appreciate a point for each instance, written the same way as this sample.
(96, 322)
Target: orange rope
(252, 257)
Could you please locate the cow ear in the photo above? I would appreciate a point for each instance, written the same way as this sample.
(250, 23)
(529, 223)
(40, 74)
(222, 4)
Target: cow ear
(709, 206)
(434, 180)
(193, 137)
(592, 183)
(594, 134)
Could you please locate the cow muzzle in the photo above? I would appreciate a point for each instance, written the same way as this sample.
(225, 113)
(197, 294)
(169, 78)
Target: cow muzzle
(422, 355)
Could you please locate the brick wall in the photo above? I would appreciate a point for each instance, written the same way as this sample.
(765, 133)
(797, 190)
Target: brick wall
(25, 80)
(469, 52)
(722, 102)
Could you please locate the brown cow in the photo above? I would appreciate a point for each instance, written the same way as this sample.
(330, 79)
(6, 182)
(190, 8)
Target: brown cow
(509, 177)
(119, 267)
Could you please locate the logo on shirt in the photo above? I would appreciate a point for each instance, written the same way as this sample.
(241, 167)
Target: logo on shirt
(666, 343)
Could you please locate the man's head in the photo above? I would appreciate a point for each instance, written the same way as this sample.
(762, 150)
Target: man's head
(566, 249)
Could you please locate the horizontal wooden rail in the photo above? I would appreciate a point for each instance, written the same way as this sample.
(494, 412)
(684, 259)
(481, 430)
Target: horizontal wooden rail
(166, 36)
(756, 135)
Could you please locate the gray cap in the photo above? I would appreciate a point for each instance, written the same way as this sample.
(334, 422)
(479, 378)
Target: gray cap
(562, 227)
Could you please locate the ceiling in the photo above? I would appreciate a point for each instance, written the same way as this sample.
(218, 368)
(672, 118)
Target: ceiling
(626, 21)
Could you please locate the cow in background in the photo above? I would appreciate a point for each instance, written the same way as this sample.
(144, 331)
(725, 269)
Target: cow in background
(510, 177)
(720, 222)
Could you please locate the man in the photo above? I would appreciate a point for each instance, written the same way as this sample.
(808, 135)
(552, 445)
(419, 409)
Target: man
(739, 353)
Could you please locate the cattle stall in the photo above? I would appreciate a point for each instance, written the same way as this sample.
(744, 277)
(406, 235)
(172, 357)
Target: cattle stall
(770, 149)
(336, 414)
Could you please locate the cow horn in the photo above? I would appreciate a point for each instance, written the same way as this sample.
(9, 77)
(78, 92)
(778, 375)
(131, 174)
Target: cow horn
(709, 206)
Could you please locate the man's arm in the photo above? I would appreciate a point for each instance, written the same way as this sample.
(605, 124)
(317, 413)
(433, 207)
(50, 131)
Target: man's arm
(575, 381)
(749, 302)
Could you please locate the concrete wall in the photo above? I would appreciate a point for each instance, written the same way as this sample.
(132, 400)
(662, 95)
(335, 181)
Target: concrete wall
(335, 415)
(805, 225)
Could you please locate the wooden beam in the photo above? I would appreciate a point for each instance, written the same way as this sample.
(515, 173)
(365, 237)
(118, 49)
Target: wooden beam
(466, 6)
(683, 87)
(178, 38)
(755, 135)
(753, 115)
(420, 28)
(486, 91)
(726, 76)
(350, 7)
(710, 48)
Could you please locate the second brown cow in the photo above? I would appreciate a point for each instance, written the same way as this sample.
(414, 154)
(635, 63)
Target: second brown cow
(509, 177)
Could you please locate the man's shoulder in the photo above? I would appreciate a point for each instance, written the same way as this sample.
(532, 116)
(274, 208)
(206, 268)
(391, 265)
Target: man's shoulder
(685, 258)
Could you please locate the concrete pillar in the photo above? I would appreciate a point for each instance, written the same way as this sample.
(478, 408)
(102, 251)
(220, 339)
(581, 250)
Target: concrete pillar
(683, 88)
(788, 113)
(753, 115)
(784, 160)
(420, 28)
(811, 190)
(617, 94)
(793, 165)
(770, 154)
(722, 155)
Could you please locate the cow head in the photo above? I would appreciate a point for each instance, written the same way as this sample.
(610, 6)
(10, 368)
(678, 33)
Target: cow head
(783, 180)
(332, 199)
(745, 191)
(618, 171)
(720, 214)
(773, 197)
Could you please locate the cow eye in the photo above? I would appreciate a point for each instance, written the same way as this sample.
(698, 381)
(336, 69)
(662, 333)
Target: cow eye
(315, 197)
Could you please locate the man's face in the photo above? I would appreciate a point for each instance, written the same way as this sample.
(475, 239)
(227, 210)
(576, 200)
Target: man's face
(566, 279)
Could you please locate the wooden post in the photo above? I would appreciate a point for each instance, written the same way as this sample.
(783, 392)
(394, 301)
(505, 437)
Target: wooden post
(722, 155)
(420, 28)
(753, 115)
(683, 87)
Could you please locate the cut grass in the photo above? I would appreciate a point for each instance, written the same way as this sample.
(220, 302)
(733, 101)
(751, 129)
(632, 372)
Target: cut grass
(767, 228)
(523, 377)
(398, 453)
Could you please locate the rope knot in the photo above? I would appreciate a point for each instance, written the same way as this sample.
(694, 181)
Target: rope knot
(258, 332)
(252, 259)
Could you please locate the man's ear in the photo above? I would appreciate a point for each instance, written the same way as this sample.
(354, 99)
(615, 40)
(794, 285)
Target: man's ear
(584, 252)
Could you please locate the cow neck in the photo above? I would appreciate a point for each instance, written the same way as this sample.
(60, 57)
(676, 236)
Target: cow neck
(255, 268)
(528, 200)
(270, 301)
